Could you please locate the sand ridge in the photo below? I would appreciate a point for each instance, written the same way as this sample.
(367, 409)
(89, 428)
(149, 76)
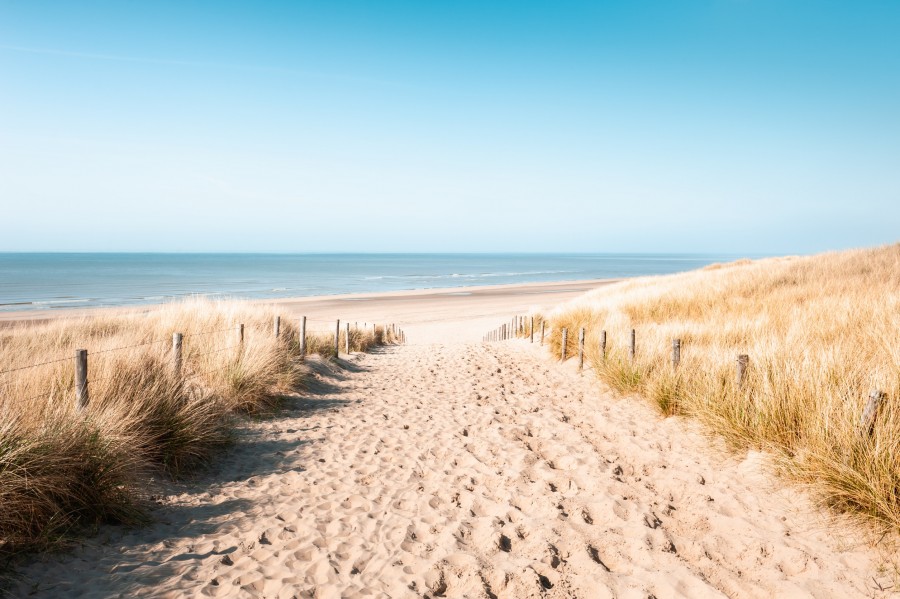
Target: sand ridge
(469, 470)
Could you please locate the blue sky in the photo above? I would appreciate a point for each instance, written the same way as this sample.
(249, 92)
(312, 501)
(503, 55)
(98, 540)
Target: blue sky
(740, 126)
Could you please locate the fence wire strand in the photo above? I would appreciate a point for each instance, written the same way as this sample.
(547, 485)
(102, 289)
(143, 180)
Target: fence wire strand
(201, 333)
(216, 351)
(34, 365)
(105, 351)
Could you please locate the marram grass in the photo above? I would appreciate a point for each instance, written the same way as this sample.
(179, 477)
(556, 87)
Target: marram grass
(64, 470)
(821, 332)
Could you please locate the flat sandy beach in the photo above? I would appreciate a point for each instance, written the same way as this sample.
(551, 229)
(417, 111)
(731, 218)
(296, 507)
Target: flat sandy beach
(448, 467)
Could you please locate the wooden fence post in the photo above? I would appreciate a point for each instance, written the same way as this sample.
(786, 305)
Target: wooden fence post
(565, 340)
(631, 351)
(676, 353)
(337, 338)
(81, 379)
(581, 349)
(303, 336)
(870, 413)
(603, 344)
(347, 340)
(743, 361)
(532, 330)
(276, 326)
(177, 339)
(542, 332)
(241, 334)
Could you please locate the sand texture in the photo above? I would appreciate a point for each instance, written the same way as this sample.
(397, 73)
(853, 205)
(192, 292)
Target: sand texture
(469, 470)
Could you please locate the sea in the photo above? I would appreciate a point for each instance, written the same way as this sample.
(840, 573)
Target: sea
(42, 281)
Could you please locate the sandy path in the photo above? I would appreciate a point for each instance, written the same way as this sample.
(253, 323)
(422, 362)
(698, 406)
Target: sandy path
(468, 471)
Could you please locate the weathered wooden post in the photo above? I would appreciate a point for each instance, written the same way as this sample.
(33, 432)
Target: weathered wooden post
(743, 361)
(565, 340)
(303, 336)
(81, 379)
(581, 349)
(347, 340)
(870, 413)
(276, 327)
(631, 351)
(532, 330)
(676, 353)
(337, 338)
(542, 332)
(177, 339)
(603, 344)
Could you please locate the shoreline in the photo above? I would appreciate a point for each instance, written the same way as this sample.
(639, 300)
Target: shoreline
(407, 307)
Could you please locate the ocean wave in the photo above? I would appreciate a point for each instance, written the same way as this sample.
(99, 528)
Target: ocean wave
(482, 275)
(62, 301)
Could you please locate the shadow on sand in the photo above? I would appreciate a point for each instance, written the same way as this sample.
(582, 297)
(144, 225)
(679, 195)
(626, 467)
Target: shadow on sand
(264, 447)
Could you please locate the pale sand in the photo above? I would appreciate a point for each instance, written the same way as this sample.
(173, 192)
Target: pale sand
(463, 469)
(432, 314)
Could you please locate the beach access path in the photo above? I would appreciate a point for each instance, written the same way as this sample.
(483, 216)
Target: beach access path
(470, 470)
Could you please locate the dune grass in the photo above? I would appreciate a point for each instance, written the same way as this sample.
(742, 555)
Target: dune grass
(63, 471)
(820, 332)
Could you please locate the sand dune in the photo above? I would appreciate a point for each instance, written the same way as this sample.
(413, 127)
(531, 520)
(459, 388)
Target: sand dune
(470, 470)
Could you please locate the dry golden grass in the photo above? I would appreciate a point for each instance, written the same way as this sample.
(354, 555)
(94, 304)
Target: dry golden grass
(62, 470)
(821, 332)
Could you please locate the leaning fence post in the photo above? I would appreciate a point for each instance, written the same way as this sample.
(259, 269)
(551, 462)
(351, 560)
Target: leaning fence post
(81, 379)
(743, 361)
(631, 350)
(542, 332)
(277, 327)
(303, 336)
(603, 344)
(176, 353)
(581, 349)
(337, 338)
(565, 340)
(676, 352)
(870, 413)
(347, 340)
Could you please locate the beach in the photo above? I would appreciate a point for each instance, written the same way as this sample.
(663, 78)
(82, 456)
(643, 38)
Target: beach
(427, 314)
(448, 467)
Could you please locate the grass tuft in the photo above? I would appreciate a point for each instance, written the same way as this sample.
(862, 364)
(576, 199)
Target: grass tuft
(820, 332)
(63, 471)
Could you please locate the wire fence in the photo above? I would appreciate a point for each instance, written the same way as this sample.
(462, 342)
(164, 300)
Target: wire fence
(300, 337)
(524, 326)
